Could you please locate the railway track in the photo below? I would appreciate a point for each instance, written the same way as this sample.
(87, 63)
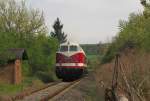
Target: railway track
(49, 93)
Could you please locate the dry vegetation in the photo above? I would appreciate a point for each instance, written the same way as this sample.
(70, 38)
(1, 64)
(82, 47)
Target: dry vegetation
(137, 70)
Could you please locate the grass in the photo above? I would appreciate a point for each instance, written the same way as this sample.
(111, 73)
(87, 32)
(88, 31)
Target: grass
(93, 60)
(91, 57)
(8, 89)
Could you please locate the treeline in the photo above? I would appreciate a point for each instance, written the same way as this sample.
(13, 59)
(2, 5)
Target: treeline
(91, 49)
(21, 27)
(134, 33)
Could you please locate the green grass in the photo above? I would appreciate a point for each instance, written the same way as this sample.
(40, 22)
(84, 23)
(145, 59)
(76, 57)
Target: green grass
(8, 89)
(93, 60)
(91, 57)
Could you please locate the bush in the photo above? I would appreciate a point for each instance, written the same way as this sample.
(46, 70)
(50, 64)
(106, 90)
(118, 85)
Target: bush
(134, 33)
(45, 76)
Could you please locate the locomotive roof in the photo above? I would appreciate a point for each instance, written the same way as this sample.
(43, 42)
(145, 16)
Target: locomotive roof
(69, 43)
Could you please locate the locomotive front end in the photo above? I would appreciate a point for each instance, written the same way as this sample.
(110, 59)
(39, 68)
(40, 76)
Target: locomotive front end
(70, 61)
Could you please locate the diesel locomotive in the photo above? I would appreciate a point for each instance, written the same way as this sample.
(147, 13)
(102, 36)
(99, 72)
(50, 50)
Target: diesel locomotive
(70, 61)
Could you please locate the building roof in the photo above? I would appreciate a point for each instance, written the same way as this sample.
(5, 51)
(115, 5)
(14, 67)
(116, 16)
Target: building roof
(18, 53)
(10, 55)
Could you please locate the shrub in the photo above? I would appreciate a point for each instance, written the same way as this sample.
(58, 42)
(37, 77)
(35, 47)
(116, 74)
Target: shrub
(45, 76)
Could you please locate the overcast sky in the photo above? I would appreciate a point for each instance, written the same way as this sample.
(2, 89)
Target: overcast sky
(87, 21)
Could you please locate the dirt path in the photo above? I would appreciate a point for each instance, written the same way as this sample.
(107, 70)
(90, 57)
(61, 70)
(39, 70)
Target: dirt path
(85, 91)
(103, 76)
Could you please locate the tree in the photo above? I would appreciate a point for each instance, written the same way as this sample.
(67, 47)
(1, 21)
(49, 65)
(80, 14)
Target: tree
(134, 34)
(58, 33)
(143, 2)
(146, 6)
(17, 19)
(21, 27)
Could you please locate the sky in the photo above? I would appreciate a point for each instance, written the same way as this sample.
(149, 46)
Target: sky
(87, 21)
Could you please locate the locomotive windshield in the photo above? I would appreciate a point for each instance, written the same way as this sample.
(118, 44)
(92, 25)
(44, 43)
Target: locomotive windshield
(73, 48)
(64, 48)
(67, 48)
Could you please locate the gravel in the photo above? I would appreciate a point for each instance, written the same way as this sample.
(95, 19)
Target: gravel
(85, 91)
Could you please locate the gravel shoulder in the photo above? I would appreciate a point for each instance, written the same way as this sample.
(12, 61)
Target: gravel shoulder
(86, 90)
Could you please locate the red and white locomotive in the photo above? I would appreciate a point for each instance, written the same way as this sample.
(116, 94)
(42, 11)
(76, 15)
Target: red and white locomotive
(70, 61)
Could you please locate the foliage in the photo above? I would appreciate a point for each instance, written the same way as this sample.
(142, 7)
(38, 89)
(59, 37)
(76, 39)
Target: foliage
(10, 89)
(92, 62)
(58, 34)
(109, 55)
(134, 33)
(21, 27)
(42, 54)
(90, 49)
(45, 76)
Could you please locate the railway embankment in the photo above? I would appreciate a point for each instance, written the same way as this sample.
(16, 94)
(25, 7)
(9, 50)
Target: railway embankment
(133, 76)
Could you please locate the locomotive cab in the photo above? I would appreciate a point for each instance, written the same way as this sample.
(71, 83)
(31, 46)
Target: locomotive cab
(70, 61)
